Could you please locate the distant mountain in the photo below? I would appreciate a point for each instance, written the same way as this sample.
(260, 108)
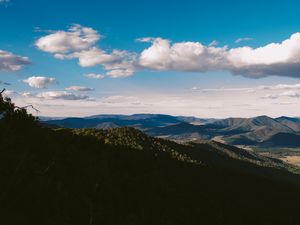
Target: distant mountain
(163, 117)
(252, 124)
(252, 131)
(235, 131)
(293, 123)
(140, 121)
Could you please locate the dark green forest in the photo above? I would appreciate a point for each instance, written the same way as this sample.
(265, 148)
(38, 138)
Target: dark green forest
(123, 177)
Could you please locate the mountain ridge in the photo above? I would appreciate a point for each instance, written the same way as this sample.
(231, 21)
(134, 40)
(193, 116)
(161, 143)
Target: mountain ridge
(236, 131)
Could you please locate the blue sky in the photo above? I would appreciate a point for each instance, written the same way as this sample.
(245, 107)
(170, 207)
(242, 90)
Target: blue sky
(155, 75)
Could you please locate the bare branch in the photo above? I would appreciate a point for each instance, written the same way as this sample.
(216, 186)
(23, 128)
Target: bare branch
(23, 107)
(28, 106)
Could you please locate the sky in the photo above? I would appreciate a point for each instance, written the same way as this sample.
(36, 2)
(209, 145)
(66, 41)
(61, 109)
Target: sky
(210, 59)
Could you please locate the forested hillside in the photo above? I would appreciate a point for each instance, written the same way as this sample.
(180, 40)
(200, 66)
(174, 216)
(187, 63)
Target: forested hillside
(122, 176)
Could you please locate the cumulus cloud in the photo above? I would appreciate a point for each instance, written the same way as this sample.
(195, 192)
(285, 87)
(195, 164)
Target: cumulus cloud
(11, 62)
(75, 39)
(184, 56)
(79, 43)
(118, 63)
(94, 76)
(243, 39)
(79, 88)
(281, 59)
(63, 95)
(39, 81)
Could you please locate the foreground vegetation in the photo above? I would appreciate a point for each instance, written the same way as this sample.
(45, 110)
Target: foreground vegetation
(121, 176)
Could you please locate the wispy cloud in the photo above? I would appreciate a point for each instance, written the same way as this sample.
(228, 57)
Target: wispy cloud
(53, 95)
(94, 76)
(79, 88)
(270, 96)
(291, 94)
(249, 89)
(243, 39)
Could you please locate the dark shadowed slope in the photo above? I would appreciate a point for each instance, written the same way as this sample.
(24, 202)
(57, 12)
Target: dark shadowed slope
(284, 140)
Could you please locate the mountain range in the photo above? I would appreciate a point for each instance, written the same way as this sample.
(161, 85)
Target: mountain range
(261, 131)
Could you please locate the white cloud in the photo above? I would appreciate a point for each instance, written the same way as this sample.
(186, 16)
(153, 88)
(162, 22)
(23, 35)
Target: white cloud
(11, 62)
(249, 89)
(75, 39)
(286, 86)
(243, 39)
(92, 57)
(39, 81)
(291, 94)
(282, 59)
(117, 73)
(183, 56)
(223, 89)
(79, 43)
(27, 94)
(118, 63)
(286, 51)
(94, 76)
(270, 96)
(145, 39)
(213, 43)
(79, 88)
(52, 95)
